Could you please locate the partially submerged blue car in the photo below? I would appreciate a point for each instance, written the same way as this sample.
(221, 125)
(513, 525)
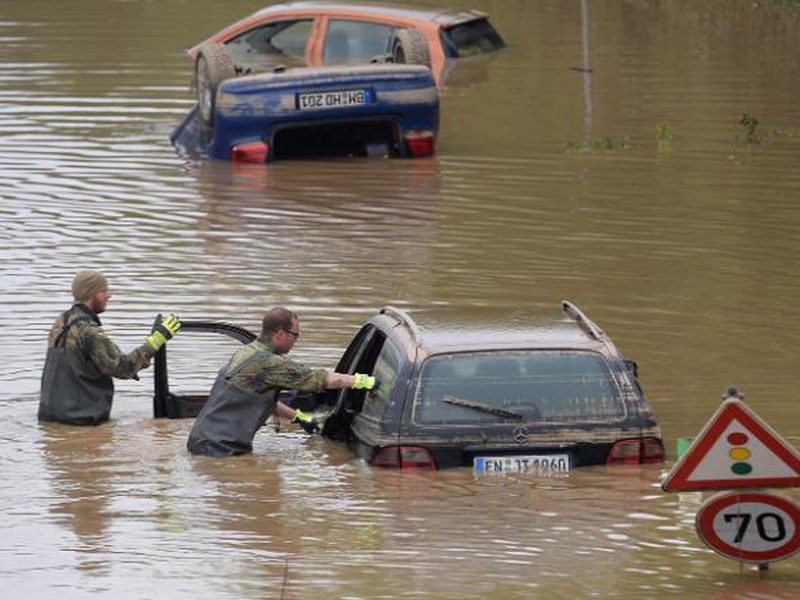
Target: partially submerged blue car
(381, 109)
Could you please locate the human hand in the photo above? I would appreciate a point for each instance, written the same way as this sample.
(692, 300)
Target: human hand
(307, 423)
(363, 382)
(164, 331)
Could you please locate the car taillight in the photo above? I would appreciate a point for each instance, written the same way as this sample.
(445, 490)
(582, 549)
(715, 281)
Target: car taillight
(420, 143)
(250, 152)
(634, 452)
(404, 457)
(652, 450)
(626, 452)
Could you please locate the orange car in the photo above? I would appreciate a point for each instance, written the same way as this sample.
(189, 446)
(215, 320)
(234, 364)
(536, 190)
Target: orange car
(337, 33)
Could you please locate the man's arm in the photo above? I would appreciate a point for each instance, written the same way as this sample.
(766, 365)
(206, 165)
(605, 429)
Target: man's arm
(109, 359)
(337, 381)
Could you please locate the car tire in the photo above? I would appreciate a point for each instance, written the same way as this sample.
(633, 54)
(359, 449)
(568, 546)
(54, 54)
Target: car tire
(212, 66)
(411, 47)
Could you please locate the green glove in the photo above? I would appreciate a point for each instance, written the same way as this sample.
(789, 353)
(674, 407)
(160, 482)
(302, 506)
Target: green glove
(363, 382)
(306, 422)
(164, 331)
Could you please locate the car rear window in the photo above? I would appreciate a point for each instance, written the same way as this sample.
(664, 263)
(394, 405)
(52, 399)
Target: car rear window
(542, 386)
(471, 38)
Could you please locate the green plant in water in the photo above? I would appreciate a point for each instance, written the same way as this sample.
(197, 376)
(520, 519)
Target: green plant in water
(604, 143)
(788, 133)
(664, 135)
(750, 125)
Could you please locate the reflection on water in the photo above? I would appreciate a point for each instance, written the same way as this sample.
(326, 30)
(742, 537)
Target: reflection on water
(81, 469)
(686, 253)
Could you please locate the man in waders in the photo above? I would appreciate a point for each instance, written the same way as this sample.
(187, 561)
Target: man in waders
(244, 394)
(77, 386)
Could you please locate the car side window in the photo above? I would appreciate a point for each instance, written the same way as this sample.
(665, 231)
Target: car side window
(355, 41)
(281, 38)
(385, 373)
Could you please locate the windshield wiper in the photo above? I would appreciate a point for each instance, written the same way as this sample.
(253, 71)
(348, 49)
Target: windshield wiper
(487, 408)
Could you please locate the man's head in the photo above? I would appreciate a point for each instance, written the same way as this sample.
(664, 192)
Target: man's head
(281, 328)
(91, 288)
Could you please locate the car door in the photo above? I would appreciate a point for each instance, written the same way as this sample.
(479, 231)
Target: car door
(346, 403)
(369, 352)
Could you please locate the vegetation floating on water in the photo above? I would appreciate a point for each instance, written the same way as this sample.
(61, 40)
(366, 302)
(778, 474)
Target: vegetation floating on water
(664, 135)
(750, 124)
(603, 143)
(753, 135)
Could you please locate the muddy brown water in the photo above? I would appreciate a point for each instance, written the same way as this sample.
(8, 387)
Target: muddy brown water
(550, 182)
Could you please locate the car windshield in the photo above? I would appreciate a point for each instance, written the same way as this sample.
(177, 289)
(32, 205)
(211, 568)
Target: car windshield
(471, 38)
(541, 386)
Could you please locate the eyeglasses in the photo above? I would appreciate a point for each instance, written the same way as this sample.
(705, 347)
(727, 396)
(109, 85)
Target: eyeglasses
(295, 334)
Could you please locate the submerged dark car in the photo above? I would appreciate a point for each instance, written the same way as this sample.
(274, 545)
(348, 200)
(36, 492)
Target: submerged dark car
(547, 397)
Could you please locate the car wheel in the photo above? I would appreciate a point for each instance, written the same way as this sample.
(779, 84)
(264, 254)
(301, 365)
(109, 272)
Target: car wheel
(410, 46)
(213, 66)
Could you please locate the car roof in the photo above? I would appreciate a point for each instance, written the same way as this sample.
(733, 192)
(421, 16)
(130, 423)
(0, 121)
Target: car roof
(439, 331)
(444, 17)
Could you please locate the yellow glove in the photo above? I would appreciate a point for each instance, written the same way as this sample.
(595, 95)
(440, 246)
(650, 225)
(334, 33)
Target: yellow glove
(305, 421)
(164, 331)
(363, 382)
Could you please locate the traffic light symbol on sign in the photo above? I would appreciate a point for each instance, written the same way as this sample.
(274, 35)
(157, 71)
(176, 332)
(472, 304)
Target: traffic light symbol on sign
(739, 453)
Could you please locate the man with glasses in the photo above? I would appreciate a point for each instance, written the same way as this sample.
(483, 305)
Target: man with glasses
(245, 392)
(77, 385)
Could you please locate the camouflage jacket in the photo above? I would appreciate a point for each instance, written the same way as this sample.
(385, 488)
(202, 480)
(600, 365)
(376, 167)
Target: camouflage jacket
(85, 335)
(77, 386)
(271, 372)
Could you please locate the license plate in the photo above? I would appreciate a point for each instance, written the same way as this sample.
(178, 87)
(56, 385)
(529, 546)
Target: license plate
(534, 463)
(335, 99)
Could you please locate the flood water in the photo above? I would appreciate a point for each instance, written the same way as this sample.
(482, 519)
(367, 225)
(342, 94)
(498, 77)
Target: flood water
(550, 182)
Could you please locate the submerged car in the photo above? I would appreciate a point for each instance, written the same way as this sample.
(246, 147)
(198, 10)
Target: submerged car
(256, 103)
(547, 397)
(365, 110)
(339, 33)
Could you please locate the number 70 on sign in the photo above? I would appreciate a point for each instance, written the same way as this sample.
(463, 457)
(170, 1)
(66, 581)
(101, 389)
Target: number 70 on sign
(751, 527)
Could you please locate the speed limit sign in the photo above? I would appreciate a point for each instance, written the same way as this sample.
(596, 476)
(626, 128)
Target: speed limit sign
(753, 527)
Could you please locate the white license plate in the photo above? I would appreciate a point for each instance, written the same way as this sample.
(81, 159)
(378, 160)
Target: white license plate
(335, 99)
(534, 463)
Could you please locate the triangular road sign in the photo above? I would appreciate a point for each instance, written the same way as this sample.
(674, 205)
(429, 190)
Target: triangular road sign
(735, 449)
